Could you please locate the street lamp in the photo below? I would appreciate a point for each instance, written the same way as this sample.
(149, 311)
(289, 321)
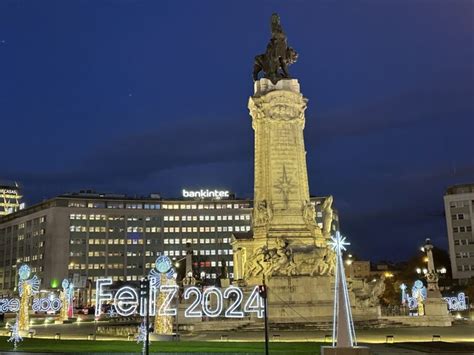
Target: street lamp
(418, 270)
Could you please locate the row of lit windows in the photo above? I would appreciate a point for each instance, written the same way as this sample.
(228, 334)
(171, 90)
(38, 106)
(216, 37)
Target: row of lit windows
(208, 206)
(73, 266)
(102, 217)
(208, 218)
(30, 258)
(139, 277)
(109, 241)
(36, 233)
(102, 229)
(154, 206)
(196, 241)
(96, 229)
(36, 221)
(199, 252)
(206, 229)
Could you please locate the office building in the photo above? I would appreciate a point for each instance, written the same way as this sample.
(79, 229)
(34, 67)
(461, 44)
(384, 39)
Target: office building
(458, 206)
(84, 236)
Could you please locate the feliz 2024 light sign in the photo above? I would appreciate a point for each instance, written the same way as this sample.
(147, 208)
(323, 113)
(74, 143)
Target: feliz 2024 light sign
(210, 302)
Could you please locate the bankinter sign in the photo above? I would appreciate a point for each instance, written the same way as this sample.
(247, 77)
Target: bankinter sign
(218, 194)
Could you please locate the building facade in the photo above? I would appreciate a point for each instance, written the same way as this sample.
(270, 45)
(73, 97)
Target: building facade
(459, 208)
(85, 236)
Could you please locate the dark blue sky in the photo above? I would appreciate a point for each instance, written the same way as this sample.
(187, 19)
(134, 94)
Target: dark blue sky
(151, 96)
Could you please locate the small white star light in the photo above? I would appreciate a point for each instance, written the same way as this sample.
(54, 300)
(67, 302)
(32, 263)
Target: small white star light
(338, 243)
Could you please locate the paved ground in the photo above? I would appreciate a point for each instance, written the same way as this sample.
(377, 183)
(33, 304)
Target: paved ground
(456, 333)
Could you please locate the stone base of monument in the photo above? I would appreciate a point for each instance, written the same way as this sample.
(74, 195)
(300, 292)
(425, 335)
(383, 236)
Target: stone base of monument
(357, 350)
(163, 337)
(304, 299)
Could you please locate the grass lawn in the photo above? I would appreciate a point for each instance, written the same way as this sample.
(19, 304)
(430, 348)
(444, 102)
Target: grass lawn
(51, 345)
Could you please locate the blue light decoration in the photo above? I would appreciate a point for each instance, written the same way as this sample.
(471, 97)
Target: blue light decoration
(24, 272)
(112, 313)
(457, 303)
(163, 264)
(418, 293)
(343, 325)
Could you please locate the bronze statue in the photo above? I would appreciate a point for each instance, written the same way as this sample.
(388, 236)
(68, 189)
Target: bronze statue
(277, 57)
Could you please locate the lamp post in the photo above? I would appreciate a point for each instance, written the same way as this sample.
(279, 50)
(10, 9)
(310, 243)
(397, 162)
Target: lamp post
(262, 291)
(145, 292)
(430, 272)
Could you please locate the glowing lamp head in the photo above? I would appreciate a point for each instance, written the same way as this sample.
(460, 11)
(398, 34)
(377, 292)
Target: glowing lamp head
(24, 272)
(418, 270)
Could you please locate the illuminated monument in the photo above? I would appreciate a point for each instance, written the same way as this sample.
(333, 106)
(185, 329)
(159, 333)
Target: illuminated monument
(285, 247)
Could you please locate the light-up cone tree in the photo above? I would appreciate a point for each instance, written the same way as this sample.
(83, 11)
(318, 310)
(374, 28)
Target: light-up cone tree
(343, 335)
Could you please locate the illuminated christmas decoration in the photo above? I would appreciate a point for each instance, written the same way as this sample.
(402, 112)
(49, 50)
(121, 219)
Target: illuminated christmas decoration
(232, 311)
(26, 287)
(457, 303)
(415, 301)
(67, 295)
(163, 277)
(141, 337)
(403, 287)
(343, 326)
(112, 313)
(254, 303)
(190, 311)
(15, 337)
(163, 290)
(47, 304)
(206, 302)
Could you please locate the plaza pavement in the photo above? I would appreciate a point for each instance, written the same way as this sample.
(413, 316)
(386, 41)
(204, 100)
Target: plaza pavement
(457, 333)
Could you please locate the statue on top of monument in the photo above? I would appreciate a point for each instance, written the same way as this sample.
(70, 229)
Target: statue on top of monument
(274, 62)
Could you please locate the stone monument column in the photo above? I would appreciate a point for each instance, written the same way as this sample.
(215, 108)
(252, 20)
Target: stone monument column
(436, 307)
(282, 205)
(285, 247)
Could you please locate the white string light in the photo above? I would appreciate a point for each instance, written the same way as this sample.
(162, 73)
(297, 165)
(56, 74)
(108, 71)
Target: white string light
(338, 244)
(206, 300)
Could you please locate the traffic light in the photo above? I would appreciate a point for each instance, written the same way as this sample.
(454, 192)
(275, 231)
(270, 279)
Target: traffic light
(262, 291)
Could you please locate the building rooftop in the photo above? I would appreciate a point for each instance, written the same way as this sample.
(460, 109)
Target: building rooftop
(460, 189)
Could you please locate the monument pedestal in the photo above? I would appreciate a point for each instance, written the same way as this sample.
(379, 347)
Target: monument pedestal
(436, 311)
(358, 350)
(299, 299)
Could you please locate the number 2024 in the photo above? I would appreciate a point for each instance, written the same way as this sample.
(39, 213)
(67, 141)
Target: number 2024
(254, 303)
